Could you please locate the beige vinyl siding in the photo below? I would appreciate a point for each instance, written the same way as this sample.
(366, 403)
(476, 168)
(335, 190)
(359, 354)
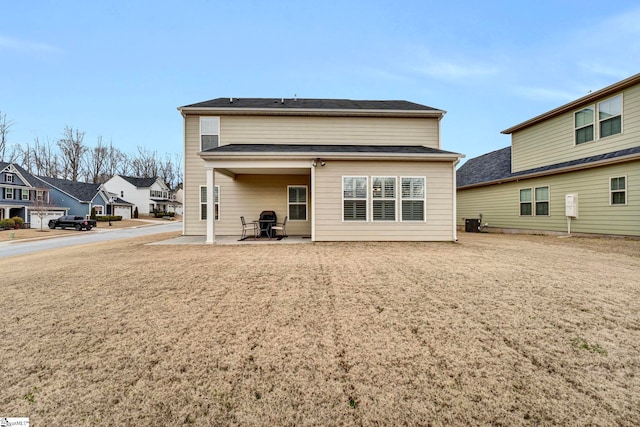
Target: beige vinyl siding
(552, 141)
(329, 130)
(248, 195)
(439, 202)
(499, 204)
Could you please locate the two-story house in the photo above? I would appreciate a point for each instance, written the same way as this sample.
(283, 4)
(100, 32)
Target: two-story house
(81, 197)
(572, 169)
(24, 196)
(337, 169)
(147, 194)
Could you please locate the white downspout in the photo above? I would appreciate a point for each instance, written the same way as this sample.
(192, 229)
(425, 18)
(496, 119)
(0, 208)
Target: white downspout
(211, 213)
(454, 199)
(313, 203)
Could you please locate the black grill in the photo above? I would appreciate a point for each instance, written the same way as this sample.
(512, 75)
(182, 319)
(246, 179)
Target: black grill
(267, 220)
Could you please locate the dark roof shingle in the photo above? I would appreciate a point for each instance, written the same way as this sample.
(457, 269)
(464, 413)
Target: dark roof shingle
(496, 166)
(303, 148)
(82, 191)
(310, 104)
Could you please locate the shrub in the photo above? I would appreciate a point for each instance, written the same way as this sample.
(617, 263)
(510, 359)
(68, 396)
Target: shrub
(7, 223)
(18, 221)
(160, 214)
(109, 218)
(93, 213)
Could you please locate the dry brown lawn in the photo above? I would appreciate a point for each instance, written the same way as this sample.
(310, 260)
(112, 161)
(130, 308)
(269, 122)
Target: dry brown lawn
(493, 330)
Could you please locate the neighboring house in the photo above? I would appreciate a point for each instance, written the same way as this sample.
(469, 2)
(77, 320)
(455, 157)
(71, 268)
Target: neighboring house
(337, 169)
(24, 196)
(81, 197)
(177, 198)
(584, 154)
(147, 194)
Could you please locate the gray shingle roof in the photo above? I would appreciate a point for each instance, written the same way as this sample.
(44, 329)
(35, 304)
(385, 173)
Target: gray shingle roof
(81, 191)
(496, 166)
(140, 182)
(302, 148)
(310, 104)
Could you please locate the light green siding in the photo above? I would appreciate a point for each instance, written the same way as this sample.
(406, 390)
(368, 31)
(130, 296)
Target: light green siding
(499, 203)
(552, 141)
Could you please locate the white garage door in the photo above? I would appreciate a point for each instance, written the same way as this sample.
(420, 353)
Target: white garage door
(123, 211)
(36, 218)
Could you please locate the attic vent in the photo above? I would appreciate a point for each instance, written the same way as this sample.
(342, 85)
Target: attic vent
(230, 100)
(282, 101)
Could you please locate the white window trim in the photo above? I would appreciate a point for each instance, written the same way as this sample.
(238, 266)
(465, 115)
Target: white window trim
(7, 191)
(548, 201)
(366, 198)
(8, 177)
(395, 199)
(39, 195)
(424, 198)
(597, 121)
(621, 116)
(520, 202)
(101, 207)
(534, 201)
(200, 131)
(306, 203)
(592, 124)
(217, 188)
(626, 199)
(23, 192)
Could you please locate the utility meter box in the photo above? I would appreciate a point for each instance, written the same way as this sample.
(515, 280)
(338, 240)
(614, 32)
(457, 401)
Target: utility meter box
(571, 205)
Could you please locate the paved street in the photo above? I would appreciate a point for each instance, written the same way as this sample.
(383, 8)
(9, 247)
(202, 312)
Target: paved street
(8, 249)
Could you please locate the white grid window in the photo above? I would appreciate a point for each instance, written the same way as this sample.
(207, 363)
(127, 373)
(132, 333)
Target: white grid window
(8, 193)
(610, 116)
(25, 194)
(618, 190)
(383, 195)
(203, 202)
(413, 196)
(9, 177)
(354, 198)
(209, 132)
(297, 202)
(584, 125)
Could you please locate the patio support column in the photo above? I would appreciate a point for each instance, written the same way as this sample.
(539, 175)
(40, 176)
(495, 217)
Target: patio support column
(211, 213)
(313, 203)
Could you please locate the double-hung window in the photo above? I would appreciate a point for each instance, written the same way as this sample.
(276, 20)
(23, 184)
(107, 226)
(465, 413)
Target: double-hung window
(537, 198)
(526, 201)
(584, 124)
(618, 190)
(542, 201)
(383, 194)
(8, 193)
(209, 132)
(413, 196)
(40, 195)
(25, 194)
(203, 202)
(354, 198)
(297, 202)
(610, 116)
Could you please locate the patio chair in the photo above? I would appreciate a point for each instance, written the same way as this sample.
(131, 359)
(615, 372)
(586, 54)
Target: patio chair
(253, 227)
(280, 226)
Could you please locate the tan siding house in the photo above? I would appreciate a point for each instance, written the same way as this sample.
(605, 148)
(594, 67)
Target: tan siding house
(587, 151)
(338, 170)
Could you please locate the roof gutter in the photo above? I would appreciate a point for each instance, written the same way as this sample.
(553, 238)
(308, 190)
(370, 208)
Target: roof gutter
(331, 156)
(310, 112)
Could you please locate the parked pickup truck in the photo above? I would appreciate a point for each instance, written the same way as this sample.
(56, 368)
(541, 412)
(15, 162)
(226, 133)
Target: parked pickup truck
(72, 221)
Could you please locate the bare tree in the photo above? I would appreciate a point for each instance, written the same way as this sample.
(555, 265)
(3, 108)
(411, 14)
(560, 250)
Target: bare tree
(72, 152)
(96, 162)
(4, 130)
(145, 164)
(171, 170)
(41, 159)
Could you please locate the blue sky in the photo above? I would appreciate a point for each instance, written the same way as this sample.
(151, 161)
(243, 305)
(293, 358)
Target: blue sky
(120, 69)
